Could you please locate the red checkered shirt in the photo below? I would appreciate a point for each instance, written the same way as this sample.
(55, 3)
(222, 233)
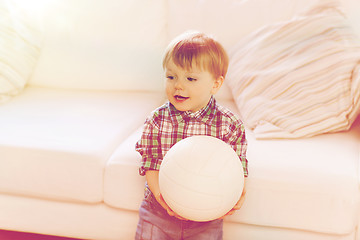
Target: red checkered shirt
(166, 126)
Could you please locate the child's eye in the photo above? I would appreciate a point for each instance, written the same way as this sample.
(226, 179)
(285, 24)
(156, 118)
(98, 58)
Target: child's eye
(191, 79)
(170, 77)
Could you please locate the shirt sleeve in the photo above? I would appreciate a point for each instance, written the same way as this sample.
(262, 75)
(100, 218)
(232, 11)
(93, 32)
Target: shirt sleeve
(236, 138)
(149, 147)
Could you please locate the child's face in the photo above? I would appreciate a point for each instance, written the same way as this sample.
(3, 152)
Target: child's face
(190, 90)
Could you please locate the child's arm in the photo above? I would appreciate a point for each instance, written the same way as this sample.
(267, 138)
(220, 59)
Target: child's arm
(238, 141)
(152, 178)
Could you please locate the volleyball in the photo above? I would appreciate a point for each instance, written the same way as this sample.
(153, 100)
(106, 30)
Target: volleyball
(201, 178)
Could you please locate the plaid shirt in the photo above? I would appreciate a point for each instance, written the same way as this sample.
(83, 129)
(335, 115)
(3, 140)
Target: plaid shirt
(166, 126)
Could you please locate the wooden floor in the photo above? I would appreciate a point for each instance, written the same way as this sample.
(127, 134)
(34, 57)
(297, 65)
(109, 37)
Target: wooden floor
(8, 235)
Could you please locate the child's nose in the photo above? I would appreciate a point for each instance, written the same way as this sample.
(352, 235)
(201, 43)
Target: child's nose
(178, 85)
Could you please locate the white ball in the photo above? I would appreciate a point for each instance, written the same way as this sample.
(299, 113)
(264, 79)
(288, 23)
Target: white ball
(201, 178)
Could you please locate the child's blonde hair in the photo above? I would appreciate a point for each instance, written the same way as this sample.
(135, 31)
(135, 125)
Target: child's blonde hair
(197, 48)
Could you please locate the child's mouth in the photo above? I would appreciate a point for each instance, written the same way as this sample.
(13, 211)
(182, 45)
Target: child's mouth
(180, 98)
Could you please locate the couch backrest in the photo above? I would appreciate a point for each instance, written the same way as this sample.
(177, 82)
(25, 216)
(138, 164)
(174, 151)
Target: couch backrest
(118, 44)
(108, 44)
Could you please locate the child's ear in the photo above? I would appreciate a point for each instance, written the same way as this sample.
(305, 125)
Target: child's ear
(217, 84)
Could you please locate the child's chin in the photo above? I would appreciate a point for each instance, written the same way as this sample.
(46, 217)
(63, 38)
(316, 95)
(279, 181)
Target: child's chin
(181, 108)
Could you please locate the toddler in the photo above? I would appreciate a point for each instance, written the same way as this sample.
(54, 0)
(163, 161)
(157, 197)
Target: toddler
(195, 66)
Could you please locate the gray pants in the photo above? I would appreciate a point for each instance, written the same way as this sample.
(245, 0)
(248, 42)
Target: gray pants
(156, 224)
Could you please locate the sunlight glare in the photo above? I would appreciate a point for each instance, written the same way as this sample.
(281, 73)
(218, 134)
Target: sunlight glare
(34, 7)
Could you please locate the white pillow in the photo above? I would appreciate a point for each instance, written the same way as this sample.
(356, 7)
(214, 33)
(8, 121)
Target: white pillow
(298, 78)
(20, 43)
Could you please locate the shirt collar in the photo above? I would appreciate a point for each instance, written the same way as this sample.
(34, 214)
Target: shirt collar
(206, 114)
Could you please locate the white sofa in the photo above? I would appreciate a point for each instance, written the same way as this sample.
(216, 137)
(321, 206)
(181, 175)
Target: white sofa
(67, 161)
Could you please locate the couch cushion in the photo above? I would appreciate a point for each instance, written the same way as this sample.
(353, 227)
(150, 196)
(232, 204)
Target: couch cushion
(309, 184)
(55, 143)
(123, 186)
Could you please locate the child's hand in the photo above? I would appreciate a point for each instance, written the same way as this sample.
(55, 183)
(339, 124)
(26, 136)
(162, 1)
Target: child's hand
(162, 202)
(238, 205)
(152, 178)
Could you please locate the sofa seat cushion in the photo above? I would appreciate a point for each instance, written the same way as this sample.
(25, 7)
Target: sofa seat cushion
(55, 143)
(309, 184)
(123, 186)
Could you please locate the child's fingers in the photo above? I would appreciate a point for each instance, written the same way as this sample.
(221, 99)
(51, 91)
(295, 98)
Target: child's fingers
(162, 202)
(239, 203)
(180, 217)
(173, 214)
(170, 212)
(237, 206)
(168, 209)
